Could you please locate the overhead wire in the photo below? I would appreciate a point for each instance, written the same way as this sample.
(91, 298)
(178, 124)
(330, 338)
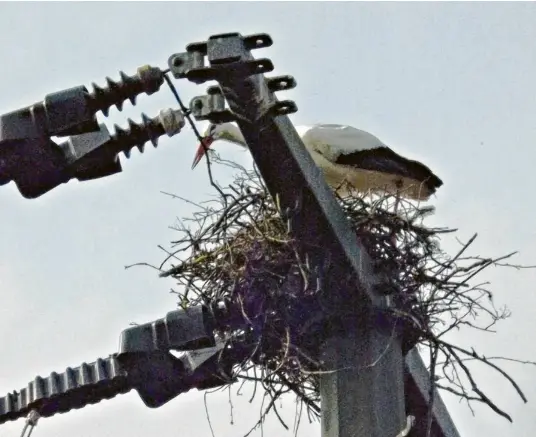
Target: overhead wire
(30, 423)
(187, 113)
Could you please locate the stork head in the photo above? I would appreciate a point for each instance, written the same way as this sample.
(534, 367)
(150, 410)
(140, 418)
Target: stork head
(214, 132)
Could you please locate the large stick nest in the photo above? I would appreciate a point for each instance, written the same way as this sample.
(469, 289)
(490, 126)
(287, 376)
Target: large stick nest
(237, 248)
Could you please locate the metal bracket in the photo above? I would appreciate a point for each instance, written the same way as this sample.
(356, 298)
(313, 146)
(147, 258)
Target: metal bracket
(224, 52)
(191, 64)
(211, 107)
(179, 330)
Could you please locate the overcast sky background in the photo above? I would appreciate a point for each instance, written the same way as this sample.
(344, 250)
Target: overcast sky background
(450, 84)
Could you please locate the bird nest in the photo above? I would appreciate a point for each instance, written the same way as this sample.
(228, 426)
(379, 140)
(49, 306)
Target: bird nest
(236, 248)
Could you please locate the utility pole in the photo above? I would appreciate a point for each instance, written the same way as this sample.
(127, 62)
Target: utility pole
(365, 395)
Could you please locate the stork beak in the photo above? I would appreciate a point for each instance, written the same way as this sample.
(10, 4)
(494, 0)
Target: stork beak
(201, 150)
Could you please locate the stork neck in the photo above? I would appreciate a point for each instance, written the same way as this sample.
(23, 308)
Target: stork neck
(238, 140)
(233, 135)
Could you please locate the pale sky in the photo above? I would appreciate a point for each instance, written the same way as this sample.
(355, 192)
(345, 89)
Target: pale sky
(450, 84)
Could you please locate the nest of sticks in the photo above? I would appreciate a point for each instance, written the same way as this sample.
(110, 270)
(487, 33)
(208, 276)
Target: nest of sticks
(236, 248)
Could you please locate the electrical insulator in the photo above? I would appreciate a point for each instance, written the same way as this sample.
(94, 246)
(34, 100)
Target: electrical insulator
(168, 122)
(147, 80)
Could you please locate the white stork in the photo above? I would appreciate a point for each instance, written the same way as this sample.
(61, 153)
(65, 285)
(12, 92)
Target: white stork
(347, 156)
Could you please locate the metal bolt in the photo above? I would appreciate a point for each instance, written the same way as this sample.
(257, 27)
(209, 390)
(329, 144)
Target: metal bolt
(172, 120)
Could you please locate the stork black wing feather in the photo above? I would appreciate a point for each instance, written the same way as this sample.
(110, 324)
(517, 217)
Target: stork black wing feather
(385, 160)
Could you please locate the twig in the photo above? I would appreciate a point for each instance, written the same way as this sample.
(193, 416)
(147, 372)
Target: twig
(237, 247)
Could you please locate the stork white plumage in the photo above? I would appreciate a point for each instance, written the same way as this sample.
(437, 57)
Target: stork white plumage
(349, 158)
